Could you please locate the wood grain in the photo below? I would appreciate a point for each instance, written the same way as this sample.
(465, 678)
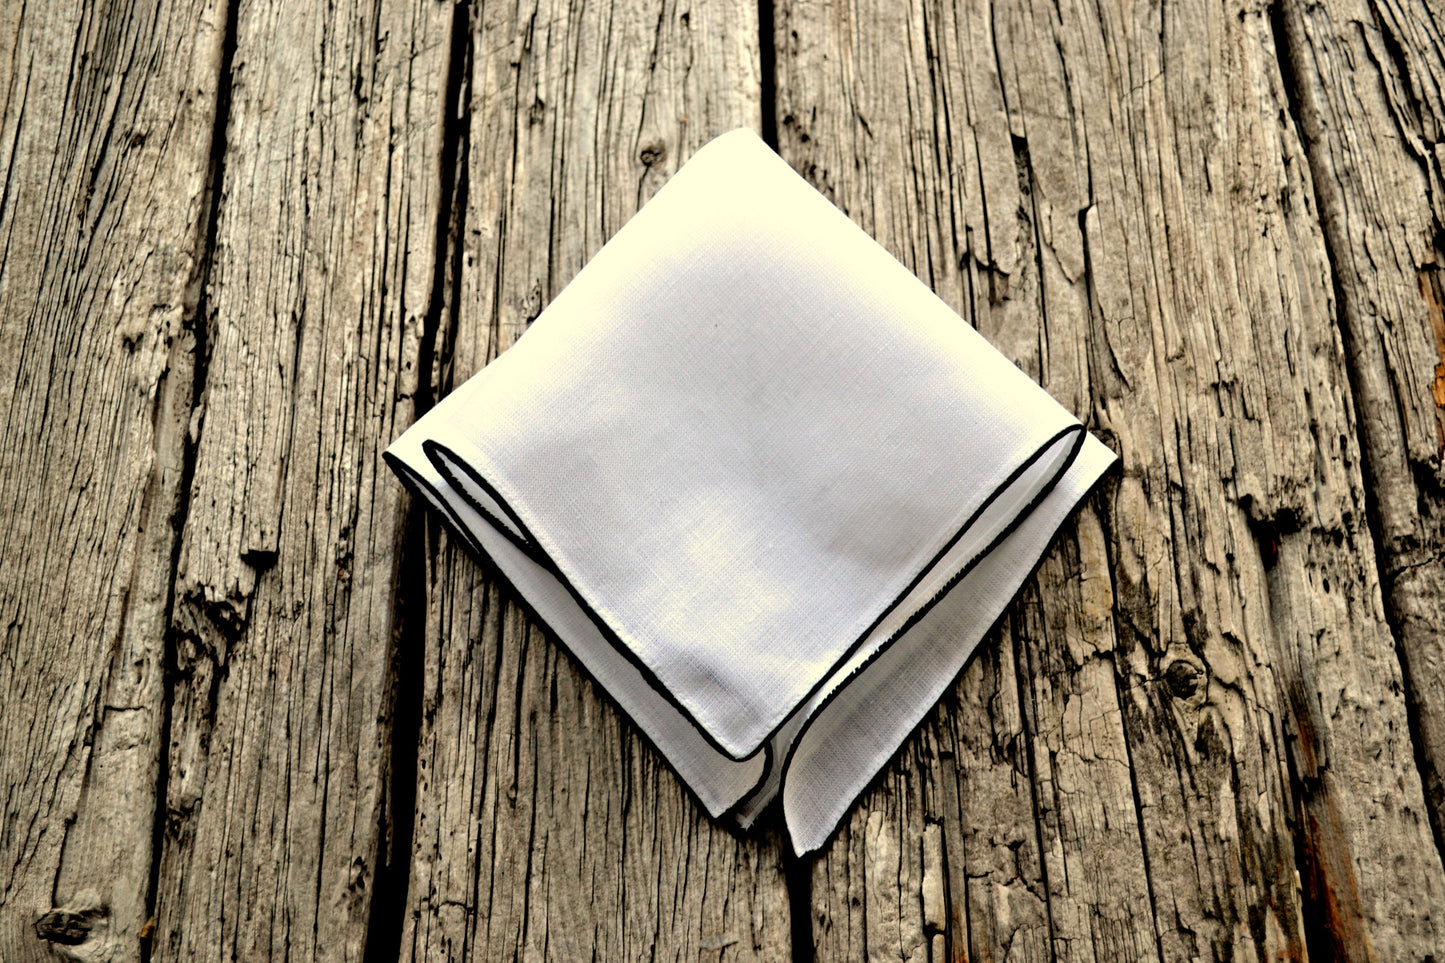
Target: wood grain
(324, 257)
(106, 118)
(545, 828)
(259, 705)
(1370, 106)
(1204, 705)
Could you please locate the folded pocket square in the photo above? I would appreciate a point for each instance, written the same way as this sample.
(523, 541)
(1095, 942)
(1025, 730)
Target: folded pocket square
(766, 486)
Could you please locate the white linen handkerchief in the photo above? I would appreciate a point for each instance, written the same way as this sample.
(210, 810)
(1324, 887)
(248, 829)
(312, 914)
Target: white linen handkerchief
(767, 488)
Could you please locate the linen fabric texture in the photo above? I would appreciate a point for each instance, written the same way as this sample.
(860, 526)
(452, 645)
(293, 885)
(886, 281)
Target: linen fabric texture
(764, 485)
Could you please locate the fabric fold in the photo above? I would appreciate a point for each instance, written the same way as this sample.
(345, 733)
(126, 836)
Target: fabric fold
(767, 487)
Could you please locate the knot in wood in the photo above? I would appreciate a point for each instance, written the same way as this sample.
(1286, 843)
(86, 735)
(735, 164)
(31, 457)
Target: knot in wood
(653, 153)
(65, 927)
(1182, 678)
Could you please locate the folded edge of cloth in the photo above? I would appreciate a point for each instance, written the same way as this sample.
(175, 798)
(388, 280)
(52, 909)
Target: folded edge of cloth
(513, 494)
(717, 781)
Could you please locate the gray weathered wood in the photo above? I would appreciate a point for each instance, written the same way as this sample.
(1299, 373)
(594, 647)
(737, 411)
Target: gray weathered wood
(1212, 229)
(106, 118)
(322, 273)
(545, 828)
(1205, 697)
(1372, 110)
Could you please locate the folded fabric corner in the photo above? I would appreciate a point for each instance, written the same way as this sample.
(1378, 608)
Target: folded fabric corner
(765, 486)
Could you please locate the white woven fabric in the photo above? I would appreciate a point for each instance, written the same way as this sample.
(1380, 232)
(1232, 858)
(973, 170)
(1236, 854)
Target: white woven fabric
(766, 487)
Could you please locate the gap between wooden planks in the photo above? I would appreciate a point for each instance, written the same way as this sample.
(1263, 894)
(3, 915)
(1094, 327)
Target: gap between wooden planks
(264, 234)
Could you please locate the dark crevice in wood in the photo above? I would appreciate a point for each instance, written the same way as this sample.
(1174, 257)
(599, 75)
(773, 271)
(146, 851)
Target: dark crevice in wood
(387, 915)
(198, 331)
(768, 65)
(1408, 127)
(1319, 914)
(1327, 926)
(800, 903)
(1331, 911)
(1291, 52)
(169, 672)
(1028, 717)
(386, 920)
(1121, 695)
(440, 326)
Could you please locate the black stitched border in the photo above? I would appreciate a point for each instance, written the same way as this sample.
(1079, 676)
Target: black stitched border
(445, 461)
(928, 606)
(882, 772)
(407, 473)
(420, 487)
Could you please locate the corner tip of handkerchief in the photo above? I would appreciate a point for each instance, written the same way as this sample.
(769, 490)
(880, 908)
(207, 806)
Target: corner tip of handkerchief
(738, 135)
(733, 144)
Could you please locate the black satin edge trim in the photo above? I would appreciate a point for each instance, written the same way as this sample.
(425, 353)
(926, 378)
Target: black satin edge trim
(757, 787)
(422, 488)
(523, 545)
(443, 457)
(446, 461)
(877, 778)
(419, 486)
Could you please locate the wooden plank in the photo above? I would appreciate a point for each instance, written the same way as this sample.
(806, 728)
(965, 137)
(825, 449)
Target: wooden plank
(285, 619)
(1371, 107)
(1026, 816)
(545, 828)
(1202, 687)
(106, 120)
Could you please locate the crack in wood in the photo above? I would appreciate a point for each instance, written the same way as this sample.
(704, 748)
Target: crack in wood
(978, 122)
(197, 349)
(1392, 496)
(386, 924)
(768, 67)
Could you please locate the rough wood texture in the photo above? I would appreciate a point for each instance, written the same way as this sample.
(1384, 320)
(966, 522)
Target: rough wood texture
(242, 246)
(322, 270)
(1207, 694)
(1371, 106)
(106, 116)
(545, 828)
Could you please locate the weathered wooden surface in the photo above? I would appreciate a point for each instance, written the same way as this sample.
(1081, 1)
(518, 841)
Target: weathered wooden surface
(259, 706)
(1114, 184)
(106, 118)
(1370, 107)
(287, 579)
(545, 828)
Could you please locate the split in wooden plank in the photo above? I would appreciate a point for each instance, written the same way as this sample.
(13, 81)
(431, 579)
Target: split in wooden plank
(1124, 206)
(545, 827)
(1370, 103)
(323, 267)
(106, 123)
